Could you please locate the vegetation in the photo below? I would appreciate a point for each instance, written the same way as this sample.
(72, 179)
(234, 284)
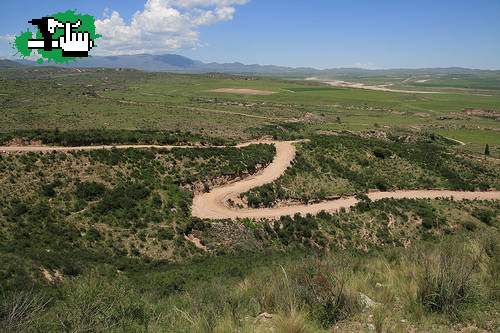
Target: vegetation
(110, 137)
(426, 287)
(35, 98)
(72, 210)
(338, 165)
(104, 240)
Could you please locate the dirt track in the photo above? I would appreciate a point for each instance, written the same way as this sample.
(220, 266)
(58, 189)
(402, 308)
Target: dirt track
(340, 83)
(21, 149)
(213, 205)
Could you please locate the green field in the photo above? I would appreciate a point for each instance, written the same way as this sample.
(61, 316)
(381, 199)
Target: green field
(472, 136)
(49, 98)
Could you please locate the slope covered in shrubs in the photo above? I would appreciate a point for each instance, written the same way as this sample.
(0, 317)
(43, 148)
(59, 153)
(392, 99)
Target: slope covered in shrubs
(68, 211)
(346, 164)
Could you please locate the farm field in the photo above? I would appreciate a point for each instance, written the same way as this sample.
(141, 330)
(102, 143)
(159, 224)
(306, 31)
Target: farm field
(99, 234)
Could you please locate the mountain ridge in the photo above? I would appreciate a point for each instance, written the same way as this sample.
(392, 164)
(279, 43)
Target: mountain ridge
(182, 64)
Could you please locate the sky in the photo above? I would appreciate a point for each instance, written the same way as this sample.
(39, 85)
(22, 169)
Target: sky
(322, 34)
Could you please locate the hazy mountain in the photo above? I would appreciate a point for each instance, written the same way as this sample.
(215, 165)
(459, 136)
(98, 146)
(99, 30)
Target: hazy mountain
(178, 63)
(9, 63)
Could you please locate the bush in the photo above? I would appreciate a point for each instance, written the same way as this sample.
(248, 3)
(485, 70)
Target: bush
(382, 152)
(469, 225)
(428, 215)
(446, 283)
(89, 190)
(164, 234)
(484, 215)
(19, 309)
(91, 304)
(49, 189)
(323, 287)
(93, 235)
(381, 184)
(109, 137)
(125, 196)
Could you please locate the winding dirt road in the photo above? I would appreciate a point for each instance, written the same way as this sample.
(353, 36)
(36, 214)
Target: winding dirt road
(214, 204)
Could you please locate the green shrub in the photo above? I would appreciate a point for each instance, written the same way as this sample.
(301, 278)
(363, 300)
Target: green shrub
(157, 202)
(447, 283)
(89, 190)
(49, 189)
(382, 152)
(486, 216)
(381, 184)
(323, 287)
(92, 304)
(109, 137)
(164, 234)
(428, 215)
(469, 225)
(93, 235)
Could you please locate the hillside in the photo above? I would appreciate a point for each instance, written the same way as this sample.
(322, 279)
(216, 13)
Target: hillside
(112, 182)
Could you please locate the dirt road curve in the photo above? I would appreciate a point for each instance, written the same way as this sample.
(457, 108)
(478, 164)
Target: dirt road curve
(213, 205)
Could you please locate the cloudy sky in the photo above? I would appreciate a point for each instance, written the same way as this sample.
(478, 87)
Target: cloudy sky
(316, 33)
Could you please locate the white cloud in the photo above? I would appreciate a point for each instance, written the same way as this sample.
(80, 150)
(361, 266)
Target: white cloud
(8, 52)
(162, 26)
(369, 65)
(207, 3)
(7, 37)
(33, 57)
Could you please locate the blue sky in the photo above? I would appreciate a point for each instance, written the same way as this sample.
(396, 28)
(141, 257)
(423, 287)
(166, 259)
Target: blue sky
(315, 33)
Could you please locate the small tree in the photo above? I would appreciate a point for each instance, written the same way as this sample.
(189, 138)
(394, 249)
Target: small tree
(487, 150)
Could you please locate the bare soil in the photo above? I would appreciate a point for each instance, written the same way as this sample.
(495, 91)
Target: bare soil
(483, 113)
(196, 242)
(340, 83)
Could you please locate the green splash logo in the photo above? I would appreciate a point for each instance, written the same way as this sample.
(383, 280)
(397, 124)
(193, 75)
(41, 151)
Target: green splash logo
(60, 37)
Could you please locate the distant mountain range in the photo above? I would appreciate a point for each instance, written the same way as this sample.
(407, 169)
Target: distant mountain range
(181, 64)
(9, 63)
(177, 63)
